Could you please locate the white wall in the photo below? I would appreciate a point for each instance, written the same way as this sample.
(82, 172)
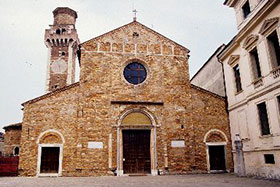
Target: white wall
(210, 76)
(243, 113)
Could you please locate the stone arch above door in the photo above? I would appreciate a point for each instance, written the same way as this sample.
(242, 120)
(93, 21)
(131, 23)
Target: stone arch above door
(50, 153)
(216, 143)
(215, 135)
(137, 117)
(50, 136)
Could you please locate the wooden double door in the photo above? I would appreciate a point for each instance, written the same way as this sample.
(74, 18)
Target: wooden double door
(136, 151)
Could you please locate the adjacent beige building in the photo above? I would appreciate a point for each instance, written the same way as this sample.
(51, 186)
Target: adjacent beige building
(134, 109)
(252, 74)
(210, 76)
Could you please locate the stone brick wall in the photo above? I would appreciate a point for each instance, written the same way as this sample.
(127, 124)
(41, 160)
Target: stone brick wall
(64, 16)
(11, 138)
(209, 114)
(92, 110)
(167, 82)
(58, 111)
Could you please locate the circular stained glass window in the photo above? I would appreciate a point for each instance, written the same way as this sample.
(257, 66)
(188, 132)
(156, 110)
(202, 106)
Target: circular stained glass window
(135, 73)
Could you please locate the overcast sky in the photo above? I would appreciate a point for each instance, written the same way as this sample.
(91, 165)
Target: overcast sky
(200, 25)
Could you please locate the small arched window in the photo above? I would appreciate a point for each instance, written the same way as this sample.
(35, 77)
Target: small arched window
(57, 31)
(16, 151)
(63, 30)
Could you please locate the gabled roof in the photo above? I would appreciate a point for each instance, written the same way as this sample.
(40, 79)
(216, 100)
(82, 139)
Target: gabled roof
(15, 125)
(100, 36)
(131, 23)
(207, 92)
(218, 50)
(51, 93)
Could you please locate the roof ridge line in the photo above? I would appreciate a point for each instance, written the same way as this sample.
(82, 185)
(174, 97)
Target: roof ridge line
(207, 91)
(155, 32)
(51, 93)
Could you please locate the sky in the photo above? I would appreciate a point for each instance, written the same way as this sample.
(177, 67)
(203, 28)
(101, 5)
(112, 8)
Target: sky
(200, 25)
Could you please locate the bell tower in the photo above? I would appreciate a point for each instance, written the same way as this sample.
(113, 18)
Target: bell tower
(62, 42)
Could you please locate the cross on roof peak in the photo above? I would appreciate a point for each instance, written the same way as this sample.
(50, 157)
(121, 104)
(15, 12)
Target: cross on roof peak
(135, 16)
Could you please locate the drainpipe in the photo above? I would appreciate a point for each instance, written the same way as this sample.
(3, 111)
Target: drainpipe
(223, 71)
(224, 81)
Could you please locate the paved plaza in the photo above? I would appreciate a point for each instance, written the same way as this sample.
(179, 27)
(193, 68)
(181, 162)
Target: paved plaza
(209, 180)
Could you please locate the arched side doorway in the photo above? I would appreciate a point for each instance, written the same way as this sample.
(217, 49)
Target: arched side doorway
(216, 142)
(50, 153)
(136, 143)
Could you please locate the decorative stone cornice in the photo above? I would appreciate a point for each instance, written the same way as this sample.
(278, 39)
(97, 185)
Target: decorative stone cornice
(137, 103)
(233, 59)
(250, 41)
(230, 3)
(269, 25)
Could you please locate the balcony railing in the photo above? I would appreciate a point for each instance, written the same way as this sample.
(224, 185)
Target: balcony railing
(276, 72)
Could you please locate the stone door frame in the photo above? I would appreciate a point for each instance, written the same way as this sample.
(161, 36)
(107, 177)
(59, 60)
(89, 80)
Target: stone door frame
(153, 150)
(40, 146)
(208, 156)
(224, 143)
(59, 173)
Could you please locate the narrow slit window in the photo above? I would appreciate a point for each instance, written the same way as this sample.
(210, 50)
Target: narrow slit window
(263, 117)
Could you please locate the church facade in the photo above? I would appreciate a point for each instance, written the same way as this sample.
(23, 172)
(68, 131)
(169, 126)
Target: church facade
(133, 110)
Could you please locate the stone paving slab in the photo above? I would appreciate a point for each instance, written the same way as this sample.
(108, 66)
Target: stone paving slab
(209, 180)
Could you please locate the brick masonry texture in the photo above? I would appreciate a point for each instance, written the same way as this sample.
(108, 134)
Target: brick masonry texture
(89, 111)
(64, 15)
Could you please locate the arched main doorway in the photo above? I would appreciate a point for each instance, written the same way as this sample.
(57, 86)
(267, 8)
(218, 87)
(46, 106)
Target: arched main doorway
(137, 149)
